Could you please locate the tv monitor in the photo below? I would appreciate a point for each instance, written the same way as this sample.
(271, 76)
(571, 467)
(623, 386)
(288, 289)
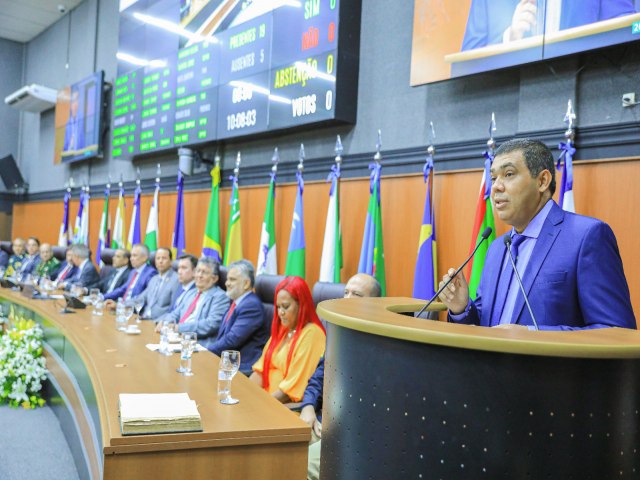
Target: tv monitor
(78, 120)
(10, 174)
(454, 38)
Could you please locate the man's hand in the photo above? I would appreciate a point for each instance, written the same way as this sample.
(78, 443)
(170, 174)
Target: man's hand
(456, 295)
(525, 18)
(308, 415)
(110, 304)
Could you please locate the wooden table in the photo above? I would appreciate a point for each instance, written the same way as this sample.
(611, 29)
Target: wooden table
(91, 363)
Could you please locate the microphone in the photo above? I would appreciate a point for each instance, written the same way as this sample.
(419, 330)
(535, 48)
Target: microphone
(485, 235)
(507, 242)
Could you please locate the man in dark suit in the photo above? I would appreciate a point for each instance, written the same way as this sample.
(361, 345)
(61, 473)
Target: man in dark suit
(569, 264)
(243, 325)
(138, 278)
(32, 259)
(4, 259)
(503, 21)
(119, 273)
(67, 269)
(86, 274)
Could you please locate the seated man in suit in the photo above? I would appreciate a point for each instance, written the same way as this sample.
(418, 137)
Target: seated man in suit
(358, 286)
(32, 258)
(119, 273)
(243, 326)
(138, 278)
(4, 259)
(158, 294)
(49, 265)
(187, 264)
(86, 275)
(16, 260)
(569, 264)
(67, 269)
(202, 308)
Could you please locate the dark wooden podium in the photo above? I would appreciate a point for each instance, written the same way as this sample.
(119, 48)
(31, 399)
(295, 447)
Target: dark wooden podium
(412, 398)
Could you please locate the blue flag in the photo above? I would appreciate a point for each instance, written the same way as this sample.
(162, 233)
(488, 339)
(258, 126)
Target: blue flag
(425, 279)
(178, 242)
(297, 246)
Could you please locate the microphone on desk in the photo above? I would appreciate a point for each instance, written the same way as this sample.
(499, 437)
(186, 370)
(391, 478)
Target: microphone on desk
(485, 235)
(507, 242)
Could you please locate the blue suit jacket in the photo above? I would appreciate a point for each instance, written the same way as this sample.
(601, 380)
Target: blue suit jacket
(4, 259)
(88, 277)
(315, 387)
(209, 314)
(29, 264)
(70, 275)
(574, 278)
(245, 331)
(148, 272)
(488, 19)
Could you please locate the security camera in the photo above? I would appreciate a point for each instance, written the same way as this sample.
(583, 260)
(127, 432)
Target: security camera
(62, 8)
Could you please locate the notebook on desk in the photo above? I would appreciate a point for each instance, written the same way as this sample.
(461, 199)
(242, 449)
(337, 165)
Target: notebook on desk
(149, 413)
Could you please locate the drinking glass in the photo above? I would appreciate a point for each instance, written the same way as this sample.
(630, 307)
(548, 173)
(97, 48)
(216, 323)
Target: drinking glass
(128, 310)
(138, 304)
(167, 329)
(93, 295)
(188, 342)
(98, 305)
(229, 365)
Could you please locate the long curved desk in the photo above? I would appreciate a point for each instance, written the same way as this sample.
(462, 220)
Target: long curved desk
(90, 363)
(412, 398)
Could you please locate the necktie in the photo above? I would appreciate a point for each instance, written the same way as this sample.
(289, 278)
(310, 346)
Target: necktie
(191, 308)
(64, 272)
(230, 312)
(127, 292)
(505, 280)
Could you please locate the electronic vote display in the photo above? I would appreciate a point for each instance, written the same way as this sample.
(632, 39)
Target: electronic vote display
(282, 69)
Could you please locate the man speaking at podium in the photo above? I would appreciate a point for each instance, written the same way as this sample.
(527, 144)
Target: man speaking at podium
(569, 264)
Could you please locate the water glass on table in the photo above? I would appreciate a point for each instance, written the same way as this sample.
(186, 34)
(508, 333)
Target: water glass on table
(229, 365)
(167, 330)
(98, 305)
(93, 295)
(188, 342)
(138, 304)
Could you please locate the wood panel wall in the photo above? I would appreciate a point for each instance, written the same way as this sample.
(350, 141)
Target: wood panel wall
(602, 189)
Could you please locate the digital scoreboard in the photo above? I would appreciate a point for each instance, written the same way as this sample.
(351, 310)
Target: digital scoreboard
(271, 68)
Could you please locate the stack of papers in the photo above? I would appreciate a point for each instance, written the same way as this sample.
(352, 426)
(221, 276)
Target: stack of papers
(147, 413)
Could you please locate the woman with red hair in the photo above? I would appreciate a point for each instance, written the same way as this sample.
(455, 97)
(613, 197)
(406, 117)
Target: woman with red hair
(296, 345)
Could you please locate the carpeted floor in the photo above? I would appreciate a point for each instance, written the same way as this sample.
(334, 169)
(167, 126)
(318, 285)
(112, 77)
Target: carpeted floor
(33, 447)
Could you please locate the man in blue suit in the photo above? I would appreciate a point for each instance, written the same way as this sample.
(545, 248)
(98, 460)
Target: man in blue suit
(503, 21)
(86, 274)
(570, 264)
(138, 279)
(243, 325)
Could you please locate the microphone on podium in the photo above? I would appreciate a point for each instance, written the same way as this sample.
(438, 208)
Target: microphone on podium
(485, 235)
(507, 242)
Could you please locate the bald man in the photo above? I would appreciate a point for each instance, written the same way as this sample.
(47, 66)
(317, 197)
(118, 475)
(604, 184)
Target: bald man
(49, 265)
(359, 286)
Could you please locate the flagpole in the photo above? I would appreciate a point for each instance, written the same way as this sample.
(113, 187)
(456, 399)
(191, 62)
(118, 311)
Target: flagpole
(565, 162)
(296, 252)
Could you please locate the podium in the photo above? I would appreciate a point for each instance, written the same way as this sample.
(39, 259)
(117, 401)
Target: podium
(412, 398)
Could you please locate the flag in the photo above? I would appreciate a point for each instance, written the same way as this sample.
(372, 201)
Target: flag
(372, 252)
(296, 252)
(331, 259)
(63, 235)
(211, 242)
(134, 228)
(103, 235)
(117, 239)
(566, 183)
(178, 242)
(425, 279)
(267, 261)
(81, 227)
(151, 236)
(482, 220)
(233, 246)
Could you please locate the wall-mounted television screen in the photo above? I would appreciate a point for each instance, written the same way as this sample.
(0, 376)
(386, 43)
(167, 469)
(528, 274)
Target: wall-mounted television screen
(78, 120)
(453, 38)
(198, 71)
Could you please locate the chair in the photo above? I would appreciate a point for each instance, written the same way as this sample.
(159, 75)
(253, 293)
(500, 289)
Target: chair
(265, 288)
(327, 291)
(106, 257)
(222, 278)
(59, 252)
(6, 246)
